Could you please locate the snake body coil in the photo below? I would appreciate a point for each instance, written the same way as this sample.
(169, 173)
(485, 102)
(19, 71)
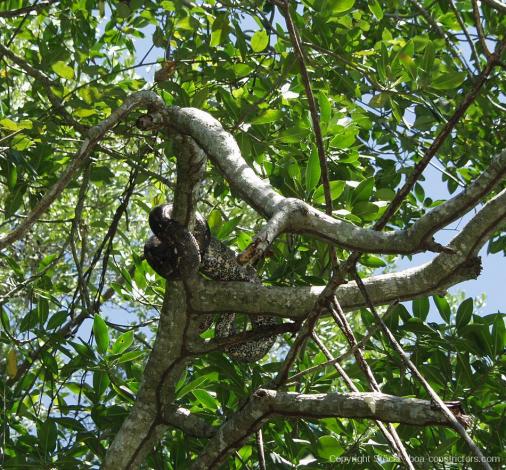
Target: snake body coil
(218, 262)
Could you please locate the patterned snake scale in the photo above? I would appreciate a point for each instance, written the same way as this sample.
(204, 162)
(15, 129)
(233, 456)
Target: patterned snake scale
(217, 262)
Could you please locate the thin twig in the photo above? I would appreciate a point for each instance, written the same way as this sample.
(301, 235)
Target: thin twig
(25, 10)
(260, 447)
(372, 330)
(440, 139)
(479, 29)
(299, 54)
(497, 5)
(411, 366)
(474, 52)
(394, 443)
(432, 22)
(389, 432)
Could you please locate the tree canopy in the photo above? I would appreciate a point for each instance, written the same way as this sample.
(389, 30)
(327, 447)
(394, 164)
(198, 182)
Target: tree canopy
(301, 131)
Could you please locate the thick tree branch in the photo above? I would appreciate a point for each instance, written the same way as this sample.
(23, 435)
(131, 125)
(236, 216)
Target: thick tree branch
(148, 420)
(145, 424)
(288, 214)
(265, 404)
(445, 270)
(190, 424)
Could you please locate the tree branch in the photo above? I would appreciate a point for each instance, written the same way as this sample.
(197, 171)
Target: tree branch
(146, 423)
(289, 214)
(265, 404)
(299, 54)
(497, 5)
(190, 424)
(445, 270)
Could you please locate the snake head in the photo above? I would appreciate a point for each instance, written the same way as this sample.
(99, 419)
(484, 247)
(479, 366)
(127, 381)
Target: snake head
(159, 217)
(161, 257)
(160, 220)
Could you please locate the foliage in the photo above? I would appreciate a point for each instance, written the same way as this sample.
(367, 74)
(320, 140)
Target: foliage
(79, 305)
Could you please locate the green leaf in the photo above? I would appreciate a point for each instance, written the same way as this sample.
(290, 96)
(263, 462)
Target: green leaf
(123, 10)
(443, 307)
(293, 169)
(228, 227)
(100, 382)
(9, 124)
(418, 326)
(101, 332)
(293, 135)
(376, 9)
(403, 313)
(42, 311)
(63, 70)
(336, 189)
(464, 312)
(70, 423)
(206, 399)
(419, 192)
(428, 59)
(84, 350)
(29, 321)
(129, 356)
(372, 261)
(313, 170)
(498, 334)
(325, 109)
(421, 307)
(85, 112)
(448, 81)
(329, 447)
(344, 137)
(340, 6)
(220, 30)
(379, 100)
(47, 435)
(101, 173)
(57, 319)
(217, 37)
(367, 211)
(406, 58)
(215, 221)
(5, 323)
(123, 342)
(194, 384)
(363, 191)
(478, 339)
(21, 142)
(12, 176)
(271, 115)
(259, 41)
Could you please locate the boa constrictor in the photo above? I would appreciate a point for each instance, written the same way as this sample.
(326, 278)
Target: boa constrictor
(218, 262)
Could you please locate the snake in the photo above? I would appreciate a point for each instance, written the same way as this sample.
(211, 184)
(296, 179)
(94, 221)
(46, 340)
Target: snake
(216, 261)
